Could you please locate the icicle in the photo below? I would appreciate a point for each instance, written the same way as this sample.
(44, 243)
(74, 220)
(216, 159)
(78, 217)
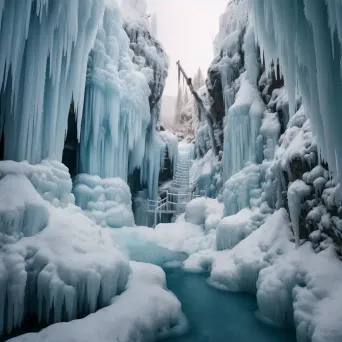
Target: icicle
(57, 36)
(306, 36)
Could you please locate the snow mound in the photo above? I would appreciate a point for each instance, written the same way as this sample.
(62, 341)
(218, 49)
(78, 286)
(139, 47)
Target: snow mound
(232, 229)
(145, 311)
(50, 178)
(22, 209)
(70, 268)
(237, 269)
(204, 211)
(106, 201)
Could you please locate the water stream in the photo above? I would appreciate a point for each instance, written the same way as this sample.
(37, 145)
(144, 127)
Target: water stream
(213, 315)
(217, 316)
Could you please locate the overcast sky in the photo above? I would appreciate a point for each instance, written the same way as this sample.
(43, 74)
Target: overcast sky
(186, 28)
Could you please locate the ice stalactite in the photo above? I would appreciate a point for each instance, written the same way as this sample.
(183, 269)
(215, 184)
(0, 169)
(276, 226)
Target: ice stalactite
(153, 159)
(116, 110)
(242, 128)
(296, 194)
(56, 37)
(306, 37)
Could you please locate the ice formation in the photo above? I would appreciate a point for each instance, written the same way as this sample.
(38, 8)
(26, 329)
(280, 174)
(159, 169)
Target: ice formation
(297, 191)
(57, 36)
(234, 228)
(69, 269)
(205, 174)
(106, 201)
(171, 143)
(114, 121)
(242, 128)
(89, 61)
(144, 311)
(55, 262)
(22, 209)
(50, 178)
(306, 37)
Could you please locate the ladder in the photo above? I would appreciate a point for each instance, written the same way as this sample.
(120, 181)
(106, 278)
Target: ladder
(181, 178)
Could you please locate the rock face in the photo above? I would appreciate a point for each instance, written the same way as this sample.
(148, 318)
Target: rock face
(149, 53)
(71, 144)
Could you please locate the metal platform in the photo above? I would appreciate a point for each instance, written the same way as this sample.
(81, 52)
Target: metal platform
(174, 203)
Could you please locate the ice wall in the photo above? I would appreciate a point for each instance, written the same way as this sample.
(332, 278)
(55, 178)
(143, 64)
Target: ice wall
(44, 49)
(116, 109)
(57, 53)
(126, 75)
(242, 128)
(306, 37)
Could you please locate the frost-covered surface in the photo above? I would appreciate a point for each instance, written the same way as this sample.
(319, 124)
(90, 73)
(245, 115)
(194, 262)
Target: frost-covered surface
(145, 311)
(106, 201)
(192, 121)
(234, 228)
(22, 209)
(206, 212)
(68, 269)
(233, 20)
(168, 242)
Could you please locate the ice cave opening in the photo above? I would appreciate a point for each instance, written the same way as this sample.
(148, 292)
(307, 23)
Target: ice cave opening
(116, 223)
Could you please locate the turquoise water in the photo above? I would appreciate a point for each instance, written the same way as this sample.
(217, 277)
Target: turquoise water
(217, 316)
(213, 315)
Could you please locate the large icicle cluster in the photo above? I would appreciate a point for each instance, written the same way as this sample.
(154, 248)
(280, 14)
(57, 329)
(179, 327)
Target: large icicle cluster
(242, 128)
(44, 50)
(116, 110)
(306, 37)
(57, 37)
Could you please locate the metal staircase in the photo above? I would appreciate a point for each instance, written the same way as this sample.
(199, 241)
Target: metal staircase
(181, 175)
(179, 194)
